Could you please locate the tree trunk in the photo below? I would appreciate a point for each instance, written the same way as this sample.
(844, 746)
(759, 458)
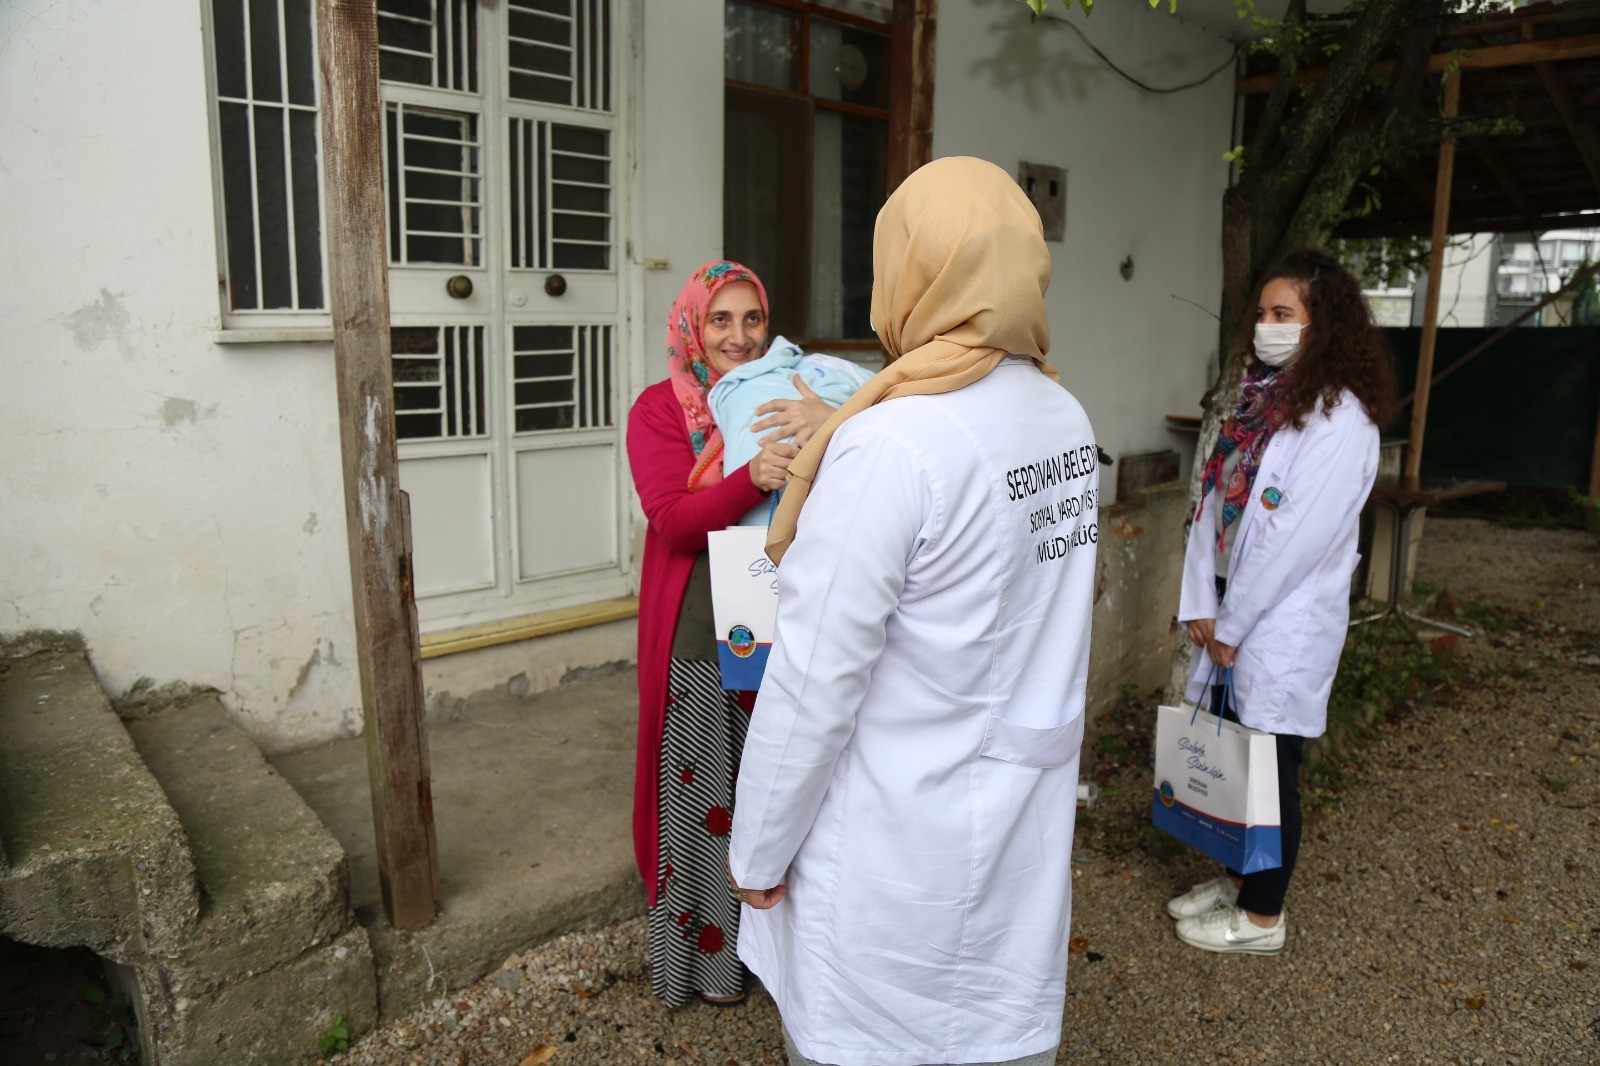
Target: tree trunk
(1298, 178)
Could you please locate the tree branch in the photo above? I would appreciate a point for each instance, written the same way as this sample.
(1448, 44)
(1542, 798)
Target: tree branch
(1355, 153)
(1263, 146)
(1411, 59)
(1327, 102)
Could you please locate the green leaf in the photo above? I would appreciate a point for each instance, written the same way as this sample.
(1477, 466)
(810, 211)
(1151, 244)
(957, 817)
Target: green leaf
(114, 1039)
(1038, 6)
(95, 994)
(341, 1032)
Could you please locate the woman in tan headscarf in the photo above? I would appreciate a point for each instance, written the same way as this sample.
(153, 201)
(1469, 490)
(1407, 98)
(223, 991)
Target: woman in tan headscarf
(903, 825)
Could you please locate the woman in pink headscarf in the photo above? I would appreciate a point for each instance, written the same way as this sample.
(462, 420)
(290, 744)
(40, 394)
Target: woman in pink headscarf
(691, 730)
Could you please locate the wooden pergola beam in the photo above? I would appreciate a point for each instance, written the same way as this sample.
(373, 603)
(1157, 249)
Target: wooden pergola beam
(1416, 183)
(1490, 57)
(377, 517)
(1582, 133)
(1470, 224)
(1430, 312)
(1502, 174)
(1523, 21)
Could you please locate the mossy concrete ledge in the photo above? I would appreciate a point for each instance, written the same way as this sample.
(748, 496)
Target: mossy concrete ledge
(276, 953)
(170, 847)
(95, 856)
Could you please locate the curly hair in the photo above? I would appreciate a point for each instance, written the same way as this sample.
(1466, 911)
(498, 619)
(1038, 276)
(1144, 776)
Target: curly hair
(1342, 348)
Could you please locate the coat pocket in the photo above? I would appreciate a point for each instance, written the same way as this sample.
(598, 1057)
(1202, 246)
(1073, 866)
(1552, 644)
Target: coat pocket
(1026, 746)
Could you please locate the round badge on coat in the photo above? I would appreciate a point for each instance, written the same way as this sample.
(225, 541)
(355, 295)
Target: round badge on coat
(741, 641)
(1271, 497)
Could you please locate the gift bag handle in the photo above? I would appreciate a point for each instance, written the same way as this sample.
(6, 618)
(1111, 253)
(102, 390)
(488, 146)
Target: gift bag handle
(1211, 682)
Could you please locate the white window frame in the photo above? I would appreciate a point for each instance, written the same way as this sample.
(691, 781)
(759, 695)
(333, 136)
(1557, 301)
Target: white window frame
(509, 595)
(275, 326)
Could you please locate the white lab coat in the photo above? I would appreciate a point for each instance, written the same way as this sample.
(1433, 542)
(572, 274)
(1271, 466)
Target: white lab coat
(912, 763)
(1287, 607)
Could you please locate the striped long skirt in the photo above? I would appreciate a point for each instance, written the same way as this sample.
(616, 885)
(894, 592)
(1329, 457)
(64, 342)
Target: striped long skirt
(694, 926)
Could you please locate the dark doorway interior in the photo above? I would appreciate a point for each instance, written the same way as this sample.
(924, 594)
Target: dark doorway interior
(46, 1013)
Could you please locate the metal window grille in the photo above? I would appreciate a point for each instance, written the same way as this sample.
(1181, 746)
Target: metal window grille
(561, 196)
(562, 378)
(266, 91)
(559, 52)
(434, 187)
(438, 382)
(433, 43)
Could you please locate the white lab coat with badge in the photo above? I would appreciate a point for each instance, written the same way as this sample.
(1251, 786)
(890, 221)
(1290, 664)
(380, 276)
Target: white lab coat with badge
(911, 767)
(1287, 607)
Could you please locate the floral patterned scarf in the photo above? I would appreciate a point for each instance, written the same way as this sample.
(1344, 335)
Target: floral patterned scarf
(1247, 430)
(691, 372)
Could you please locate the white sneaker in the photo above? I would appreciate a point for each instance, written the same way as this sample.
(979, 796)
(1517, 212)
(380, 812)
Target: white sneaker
(1228, 930)
(1204, 897)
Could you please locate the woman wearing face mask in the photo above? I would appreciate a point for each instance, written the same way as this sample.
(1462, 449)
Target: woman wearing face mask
(690, 729)
(1266, 580)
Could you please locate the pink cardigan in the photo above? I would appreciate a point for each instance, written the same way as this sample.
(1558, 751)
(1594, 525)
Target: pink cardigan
(661, 458)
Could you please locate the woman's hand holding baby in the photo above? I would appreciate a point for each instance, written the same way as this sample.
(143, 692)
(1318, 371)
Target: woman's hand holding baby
(792, 420)
(770, 468)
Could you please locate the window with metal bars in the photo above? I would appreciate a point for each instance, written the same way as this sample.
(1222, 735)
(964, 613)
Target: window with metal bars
(561, 377)
(439, 387)
(434, 186)
(559, 52)
(561, 207)
(266, 97)
(433, 43)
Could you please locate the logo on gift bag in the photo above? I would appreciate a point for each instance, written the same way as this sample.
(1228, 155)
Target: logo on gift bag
(1271, 497)
(741, 641)
(1166, 794)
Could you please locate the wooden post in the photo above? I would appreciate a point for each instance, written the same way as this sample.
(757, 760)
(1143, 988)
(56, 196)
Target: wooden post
(1593, 521)
(911, 87)
(1430, 306)
(375, 508)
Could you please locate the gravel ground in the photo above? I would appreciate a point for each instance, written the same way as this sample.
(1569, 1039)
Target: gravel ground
(1446, 908)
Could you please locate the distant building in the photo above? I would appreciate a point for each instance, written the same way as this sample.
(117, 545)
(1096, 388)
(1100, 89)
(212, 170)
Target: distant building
(1492, 278)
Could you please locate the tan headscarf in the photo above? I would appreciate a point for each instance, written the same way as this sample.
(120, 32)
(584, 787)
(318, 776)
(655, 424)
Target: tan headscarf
(959, 273)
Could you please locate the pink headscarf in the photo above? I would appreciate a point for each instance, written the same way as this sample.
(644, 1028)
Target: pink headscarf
(691, 372)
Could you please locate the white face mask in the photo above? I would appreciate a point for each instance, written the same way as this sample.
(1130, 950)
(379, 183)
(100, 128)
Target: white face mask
(1277, 343)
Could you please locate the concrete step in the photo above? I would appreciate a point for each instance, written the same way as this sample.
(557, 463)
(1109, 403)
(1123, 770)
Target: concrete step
(276, 953)
(95, 856)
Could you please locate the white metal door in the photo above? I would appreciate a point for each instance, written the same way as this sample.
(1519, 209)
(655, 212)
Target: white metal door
(501, 143)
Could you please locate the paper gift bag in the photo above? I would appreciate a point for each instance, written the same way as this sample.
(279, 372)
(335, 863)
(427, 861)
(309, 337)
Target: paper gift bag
(1216, 788)
(744, 603)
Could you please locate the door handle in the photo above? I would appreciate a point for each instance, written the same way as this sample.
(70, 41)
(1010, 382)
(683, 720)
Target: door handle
(555, 285)
(459, 286)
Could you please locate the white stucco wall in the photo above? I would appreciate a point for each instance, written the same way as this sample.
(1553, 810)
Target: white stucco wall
(179, 502)
(1145, 178)
(677, 189)
(176, 502)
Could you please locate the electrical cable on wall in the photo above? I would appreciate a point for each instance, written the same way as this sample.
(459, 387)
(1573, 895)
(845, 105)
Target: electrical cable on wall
(1135, 82)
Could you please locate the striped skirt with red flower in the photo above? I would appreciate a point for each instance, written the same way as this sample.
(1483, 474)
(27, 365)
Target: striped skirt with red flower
(694, 925)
